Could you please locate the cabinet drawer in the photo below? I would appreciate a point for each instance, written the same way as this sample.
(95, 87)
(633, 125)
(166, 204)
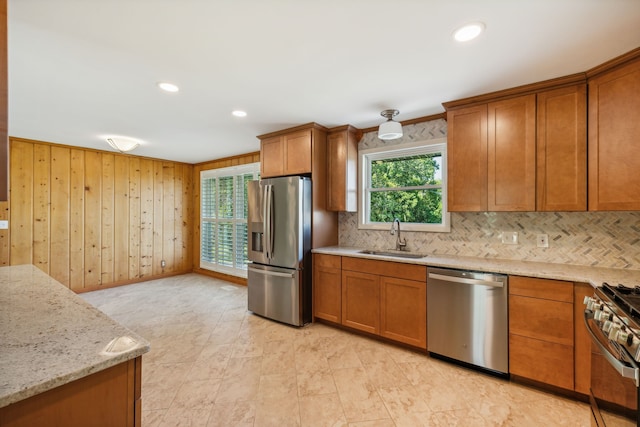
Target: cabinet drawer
(329, 261)
(541, 361)
(386, 268)
(556, 290)
(541, 319)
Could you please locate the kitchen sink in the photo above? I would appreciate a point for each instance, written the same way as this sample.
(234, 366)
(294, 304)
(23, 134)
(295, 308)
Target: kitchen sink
(393, 253)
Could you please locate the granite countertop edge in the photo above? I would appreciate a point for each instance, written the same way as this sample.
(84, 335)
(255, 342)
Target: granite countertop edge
(593, 275)
(31, 390)
(64, 342)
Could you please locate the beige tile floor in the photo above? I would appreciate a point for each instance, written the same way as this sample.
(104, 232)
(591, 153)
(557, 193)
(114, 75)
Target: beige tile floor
(213, 363)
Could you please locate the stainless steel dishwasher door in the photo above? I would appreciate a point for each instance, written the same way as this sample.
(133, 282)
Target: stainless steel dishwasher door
(467, 317)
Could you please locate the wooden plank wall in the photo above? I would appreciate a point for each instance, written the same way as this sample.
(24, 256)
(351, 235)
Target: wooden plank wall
(93, 219)
(216, 164)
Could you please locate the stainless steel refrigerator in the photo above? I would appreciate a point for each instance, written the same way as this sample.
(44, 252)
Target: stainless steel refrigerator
(279, 247)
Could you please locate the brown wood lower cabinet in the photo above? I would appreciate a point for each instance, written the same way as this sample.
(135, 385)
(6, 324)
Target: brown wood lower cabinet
(109, 398)
(327, 288)
(548, 343)
(383, 298)
(403, 311)
(361, 301)
(541, 330)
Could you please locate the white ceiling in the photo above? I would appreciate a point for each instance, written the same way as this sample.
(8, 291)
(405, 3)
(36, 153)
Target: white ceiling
(82, 69)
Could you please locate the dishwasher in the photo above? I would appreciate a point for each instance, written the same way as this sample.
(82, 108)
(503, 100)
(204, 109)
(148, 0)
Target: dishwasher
(467, 318)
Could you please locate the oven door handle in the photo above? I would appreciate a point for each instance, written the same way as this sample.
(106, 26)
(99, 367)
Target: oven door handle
(632, 372)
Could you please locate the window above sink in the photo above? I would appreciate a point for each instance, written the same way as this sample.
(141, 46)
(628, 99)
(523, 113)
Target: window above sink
(405, 181)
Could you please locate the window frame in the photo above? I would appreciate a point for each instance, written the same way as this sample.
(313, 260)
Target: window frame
(365, 157)
(233, 171)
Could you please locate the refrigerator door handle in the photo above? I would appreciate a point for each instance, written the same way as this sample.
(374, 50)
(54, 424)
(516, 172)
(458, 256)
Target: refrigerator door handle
(265, 219)
(271, 273)
(269, 221)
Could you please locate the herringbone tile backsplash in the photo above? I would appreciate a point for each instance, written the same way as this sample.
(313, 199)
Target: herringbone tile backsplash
(604, 239)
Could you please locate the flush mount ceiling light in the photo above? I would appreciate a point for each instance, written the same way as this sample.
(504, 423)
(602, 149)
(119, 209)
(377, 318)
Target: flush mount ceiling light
(122, 143)
(239, 113)
(390, 129)
(468, 32)
(168, 87)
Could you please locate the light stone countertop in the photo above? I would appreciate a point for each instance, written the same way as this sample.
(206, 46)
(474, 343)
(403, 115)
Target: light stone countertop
(545, 270)
(49, 336)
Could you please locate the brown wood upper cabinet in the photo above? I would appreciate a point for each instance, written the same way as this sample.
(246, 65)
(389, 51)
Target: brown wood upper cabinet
(342, 169)
(614, 126)
(302, 150)
(467, 159)
(519, 153)
(562, 149)
(511, 155)
(491, 156)
(288, 154)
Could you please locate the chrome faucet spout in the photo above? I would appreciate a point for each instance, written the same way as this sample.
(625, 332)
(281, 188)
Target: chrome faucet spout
(400, 243)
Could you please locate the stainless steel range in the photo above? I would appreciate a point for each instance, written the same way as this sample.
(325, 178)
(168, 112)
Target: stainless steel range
(612, 317)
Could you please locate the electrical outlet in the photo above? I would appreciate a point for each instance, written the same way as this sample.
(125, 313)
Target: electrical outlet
(510, 237)
(163, 263)
(542, 240)
(4, 225)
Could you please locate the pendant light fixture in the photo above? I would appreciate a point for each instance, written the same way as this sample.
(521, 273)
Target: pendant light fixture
(390, 129)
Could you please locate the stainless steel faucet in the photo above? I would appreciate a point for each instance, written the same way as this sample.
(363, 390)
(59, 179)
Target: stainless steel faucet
(400, 243)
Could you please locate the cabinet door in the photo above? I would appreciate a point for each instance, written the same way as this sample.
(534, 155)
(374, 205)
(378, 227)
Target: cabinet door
(297, 153)
(467, 159)
(512, 154)
(271, 157)
(614, 163)
(327, 287)
(361, 301)
(342, 164)
(403, 306)
(562, 149)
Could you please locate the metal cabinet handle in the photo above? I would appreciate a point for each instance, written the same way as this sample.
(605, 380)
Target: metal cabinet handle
(465, 281)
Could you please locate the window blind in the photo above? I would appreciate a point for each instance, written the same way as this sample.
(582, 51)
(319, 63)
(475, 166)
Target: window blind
(223, 227)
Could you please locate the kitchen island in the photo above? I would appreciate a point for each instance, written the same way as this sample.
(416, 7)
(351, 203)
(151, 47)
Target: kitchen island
(62, 361)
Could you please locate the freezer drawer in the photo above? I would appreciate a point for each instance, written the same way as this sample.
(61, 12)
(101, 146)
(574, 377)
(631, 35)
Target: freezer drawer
(277, 293)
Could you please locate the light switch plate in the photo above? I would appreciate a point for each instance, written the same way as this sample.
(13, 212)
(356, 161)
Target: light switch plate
(4, 225)
(510, 237)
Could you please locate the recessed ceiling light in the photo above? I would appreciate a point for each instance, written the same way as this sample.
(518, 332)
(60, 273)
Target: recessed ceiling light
(168, 87)
(239, 113)
(468, 32)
